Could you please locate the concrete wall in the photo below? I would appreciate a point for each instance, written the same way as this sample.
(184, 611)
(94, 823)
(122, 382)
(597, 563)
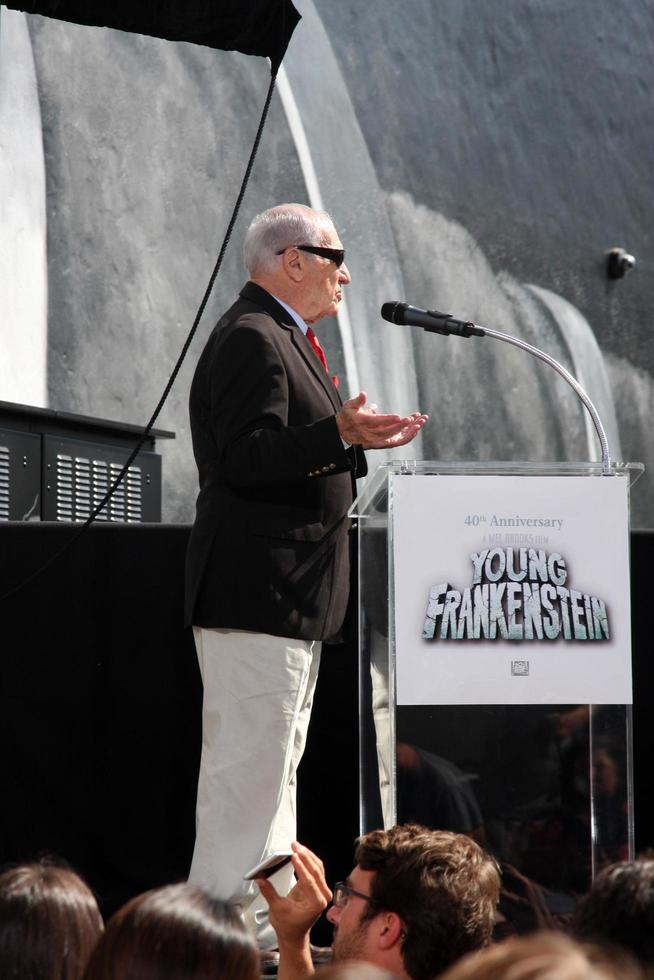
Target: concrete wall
(23, 270)
(146, 142)
(476, 157)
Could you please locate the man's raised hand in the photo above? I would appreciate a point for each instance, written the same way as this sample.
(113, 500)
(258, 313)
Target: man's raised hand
(365, 427)
(293, 915)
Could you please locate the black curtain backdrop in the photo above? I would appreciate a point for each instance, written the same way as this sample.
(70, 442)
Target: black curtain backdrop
(259, 27)
(100, 711)
(100, 702)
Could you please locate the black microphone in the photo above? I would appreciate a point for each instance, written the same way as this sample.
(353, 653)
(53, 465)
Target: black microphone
(430, 320)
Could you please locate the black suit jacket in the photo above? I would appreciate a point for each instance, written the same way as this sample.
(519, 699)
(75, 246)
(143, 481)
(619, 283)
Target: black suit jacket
(269, 549)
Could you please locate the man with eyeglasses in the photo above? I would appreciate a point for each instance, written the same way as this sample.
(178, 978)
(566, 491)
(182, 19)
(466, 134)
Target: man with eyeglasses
(268, 565)
(416, 901)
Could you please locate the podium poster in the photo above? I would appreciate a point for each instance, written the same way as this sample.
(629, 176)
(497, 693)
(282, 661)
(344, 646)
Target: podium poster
(511, 590)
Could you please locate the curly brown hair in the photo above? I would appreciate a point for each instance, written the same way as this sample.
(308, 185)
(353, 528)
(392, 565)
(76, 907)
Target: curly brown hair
(442, 885)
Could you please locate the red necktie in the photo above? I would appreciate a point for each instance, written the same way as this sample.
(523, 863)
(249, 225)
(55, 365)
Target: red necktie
(320, 354)
(315, 343)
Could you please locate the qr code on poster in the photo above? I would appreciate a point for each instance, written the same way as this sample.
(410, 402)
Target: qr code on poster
(520, 668)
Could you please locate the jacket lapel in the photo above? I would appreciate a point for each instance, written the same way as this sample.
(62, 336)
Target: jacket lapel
(255, 294)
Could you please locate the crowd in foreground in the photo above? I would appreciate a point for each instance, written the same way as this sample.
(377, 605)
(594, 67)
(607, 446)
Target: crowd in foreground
(418, 904)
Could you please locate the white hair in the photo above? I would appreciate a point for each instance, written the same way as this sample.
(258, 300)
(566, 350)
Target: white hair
(277, 228)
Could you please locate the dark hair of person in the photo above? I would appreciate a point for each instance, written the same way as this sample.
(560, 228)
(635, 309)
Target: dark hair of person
(49, 923)
(544, 956)
(619, 909)
(442, 885)
(178, 932)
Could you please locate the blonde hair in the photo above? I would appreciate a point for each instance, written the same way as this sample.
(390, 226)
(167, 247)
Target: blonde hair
(544, 956)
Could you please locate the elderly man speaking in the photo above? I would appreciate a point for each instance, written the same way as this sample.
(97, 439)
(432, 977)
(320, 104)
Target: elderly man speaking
(268, 565)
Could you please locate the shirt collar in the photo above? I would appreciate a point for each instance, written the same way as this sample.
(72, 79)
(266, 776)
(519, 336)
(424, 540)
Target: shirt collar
(296, 316)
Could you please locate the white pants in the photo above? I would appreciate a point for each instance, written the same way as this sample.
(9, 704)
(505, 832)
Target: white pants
(258, 692)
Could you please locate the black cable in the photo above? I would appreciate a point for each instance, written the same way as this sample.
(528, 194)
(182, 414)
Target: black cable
(187, 343)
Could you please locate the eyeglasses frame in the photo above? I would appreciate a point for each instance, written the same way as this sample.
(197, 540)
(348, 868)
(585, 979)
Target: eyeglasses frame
(341, 887)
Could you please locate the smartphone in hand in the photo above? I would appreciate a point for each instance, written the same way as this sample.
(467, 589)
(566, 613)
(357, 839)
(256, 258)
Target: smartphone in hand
(268, 867)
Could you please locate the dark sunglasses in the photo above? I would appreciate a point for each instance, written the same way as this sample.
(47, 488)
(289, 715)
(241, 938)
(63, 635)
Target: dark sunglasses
(335, 255)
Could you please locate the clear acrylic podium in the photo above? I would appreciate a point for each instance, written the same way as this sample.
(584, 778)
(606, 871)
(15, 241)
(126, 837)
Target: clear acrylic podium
(495, 669)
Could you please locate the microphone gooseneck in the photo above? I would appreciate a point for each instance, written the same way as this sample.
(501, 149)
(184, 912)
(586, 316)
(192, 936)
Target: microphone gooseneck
(443, 323)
